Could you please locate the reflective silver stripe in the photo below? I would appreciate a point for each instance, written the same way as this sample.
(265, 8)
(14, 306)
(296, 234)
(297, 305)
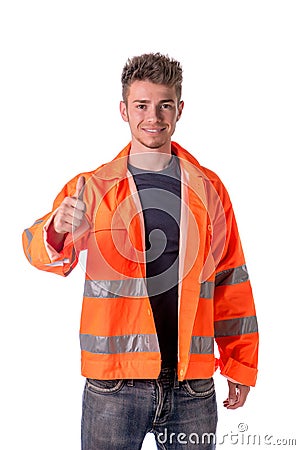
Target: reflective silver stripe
(202, 345)
(29, 236)
(232, 276)
(109, 345)
(128, 287)
(235, 327)
(58, 263)
(29, 239)
(207, 289)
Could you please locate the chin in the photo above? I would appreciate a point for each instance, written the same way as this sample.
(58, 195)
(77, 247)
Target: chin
(154, 145)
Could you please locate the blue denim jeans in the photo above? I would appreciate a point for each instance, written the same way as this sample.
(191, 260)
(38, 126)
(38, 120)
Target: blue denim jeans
(117, 414)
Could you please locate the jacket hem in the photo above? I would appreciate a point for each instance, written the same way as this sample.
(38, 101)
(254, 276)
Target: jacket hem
(123, 370)
(199, 370)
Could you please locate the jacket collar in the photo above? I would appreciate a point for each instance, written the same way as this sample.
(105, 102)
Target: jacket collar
(117, 168)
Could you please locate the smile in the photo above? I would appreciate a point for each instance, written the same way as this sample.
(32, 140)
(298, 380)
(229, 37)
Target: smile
(153, 130)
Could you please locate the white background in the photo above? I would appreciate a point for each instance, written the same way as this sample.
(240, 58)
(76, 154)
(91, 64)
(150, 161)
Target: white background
(60, 89)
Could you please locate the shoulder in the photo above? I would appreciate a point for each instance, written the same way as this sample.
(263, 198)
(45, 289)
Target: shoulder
(216, 192)
(206, 173)
(210, 175)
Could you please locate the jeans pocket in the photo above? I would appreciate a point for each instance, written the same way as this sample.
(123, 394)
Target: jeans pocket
(104, 386)
(203, 388)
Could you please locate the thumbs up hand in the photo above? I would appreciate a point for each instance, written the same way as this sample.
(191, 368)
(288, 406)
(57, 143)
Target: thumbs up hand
(71, 212)
(80, 187)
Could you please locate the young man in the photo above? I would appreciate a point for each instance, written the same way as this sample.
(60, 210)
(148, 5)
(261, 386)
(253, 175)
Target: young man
(165, 278)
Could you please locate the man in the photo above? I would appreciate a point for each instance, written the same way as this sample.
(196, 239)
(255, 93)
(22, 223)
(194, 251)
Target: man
(165, 277)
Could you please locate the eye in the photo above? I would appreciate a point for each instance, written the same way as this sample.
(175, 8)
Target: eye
(141, 106)
(166, 106)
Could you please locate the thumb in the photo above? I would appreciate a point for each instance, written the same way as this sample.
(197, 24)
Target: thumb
(80, 187)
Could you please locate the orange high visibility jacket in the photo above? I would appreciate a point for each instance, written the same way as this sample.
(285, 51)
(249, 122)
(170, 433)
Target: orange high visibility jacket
(215, 303)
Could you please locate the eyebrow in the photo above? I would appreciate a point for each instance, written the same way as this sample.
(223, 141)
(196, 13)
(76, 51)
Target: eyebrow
(169, 100)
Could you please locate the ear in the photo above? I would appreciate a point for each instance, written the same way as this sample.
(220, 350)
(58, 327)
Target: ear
(180, 109)
(123, 111)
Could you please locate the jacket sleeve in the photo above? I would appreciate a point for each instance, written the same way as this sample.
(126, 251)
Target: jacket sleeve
(236, 331)
(40, 254)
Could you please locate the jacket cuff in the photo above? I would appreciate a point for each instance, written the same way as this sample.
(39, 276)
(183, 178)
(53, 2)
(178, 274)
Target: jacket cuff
(244, 374)
(69, 241)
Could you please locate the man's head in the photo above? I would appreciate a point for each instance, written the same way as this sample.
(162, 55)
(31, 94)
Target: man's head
(152, 102)
(153, 67)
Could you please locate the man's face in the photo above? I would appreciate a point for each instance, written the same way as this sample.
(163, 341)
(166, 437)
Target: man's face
(152, 111)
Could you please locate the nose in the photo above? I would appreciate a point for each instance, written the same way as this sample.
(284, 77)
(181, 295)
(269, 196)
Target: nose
(154, 114)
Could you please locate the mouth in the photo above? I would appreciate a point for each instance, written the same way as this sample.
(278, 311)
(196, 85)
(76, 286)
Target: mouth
(153, 130)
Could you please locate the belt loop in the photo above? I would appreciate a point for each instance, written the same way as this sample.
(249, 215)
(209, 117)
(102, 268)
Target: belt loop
(130, 383)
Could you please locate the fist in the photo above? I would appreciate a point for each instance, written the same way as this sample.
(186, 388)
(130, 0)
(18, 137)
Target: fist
(71, 212)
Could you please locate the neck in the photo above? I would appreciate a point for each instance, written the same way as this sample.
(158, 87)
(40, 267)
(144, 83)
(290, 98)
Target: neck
(153, 159)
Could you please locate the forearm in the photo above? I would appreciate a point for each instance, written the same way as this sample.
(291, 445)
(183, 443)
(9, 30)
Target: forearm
(55, 239)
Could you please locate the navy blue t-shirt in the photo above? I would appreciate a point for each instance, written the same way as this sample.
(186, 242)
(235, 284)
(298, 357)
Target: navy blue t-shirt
(160, 196)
